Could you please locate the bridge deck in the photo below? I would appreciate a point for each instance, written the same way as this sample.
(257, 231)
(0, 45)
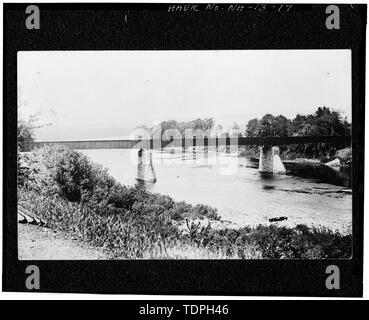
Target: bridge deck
(215, 142)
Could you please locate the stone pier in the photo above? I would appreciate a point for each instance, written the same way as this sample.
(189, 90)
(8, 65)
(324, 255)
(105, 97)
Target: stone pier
(269, 161)
(145, 168)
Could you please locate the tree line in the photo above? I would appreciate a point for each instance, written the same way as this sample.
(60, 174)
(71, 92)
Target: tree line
(323, 122)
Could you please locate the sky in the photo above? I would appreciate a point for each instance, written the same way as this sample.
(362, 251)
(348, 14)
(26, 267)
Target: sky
(106, 94)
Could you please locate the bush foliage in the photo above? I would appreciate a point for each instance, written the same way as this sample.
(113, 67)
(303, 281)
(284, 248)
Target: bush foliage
(76, 195)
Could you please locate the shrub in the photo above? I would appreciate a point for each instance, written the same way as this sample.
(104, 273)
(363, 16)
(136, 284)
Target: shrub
(275, 242)
(345, 157)
(207, 211)
(180, 210)
(184, 250)
(69, 173)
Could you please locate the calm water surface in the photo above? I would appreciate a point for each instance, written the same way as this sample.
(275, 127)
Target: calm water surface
(314, 195)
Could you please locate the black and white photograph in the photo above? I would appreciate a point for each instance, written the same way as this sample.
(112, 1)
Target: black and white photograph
(209, 154)
(184, 149)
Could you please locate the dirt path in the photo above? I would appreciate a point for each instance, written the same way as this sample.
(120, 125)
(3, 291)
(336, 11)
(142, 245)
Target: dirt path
(40, 243)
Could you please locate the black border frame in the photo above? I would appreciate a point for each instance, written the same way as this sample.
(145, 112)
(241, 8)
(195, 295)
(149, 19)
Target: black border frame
(151, 27)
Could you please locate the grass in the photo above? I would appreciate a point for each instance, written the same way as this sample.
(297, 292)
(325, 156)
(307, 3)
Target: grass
(180, 250)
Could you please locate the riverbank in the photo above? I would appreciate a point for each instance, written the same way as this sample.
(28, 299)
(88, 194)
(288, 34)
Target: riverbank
(341, 158)
(79, 197)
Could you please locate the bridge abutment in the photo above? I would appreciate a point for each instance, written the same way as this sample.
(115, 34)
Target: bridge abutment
(269, 161)
(145, 168)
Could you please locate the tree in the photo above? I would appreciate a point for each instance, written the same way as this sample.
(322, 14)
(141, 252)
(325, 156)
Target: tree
(25, 131)
(297, 123)
(208, 124)
(252, 127)
(26, 128)
(282, 126)
(198, 125)
(267, 126)
(327, 122)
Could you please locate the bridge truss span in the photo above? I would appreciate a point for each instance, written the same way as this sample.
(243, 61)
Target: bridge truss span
(192, 142)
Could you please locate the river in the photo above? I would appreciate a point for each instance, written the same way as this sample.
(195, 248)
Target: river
(310, 194)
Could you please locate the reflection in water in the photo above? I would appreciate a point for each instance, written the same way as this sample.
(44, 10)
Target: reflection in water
(316, 171)
(323, 173)
(316, 195)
